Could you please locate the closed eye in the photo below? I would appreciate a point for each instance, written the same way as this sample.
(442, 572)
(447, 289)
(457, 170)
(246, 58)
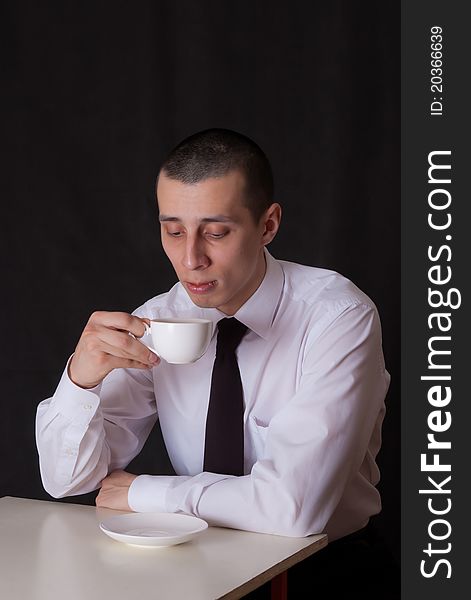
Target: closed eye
(217, 236)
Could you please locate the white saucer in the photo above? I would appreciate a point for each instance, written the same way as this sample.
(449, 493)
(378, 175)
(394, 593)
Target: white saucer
(153, 529)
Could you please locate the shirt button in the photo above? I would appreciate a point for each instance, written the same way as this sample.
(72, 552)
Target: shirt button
(70, 452)
(87, 406)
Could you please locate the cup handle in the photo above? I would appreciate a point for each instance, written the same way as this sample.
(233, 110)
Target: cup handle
(146, 332)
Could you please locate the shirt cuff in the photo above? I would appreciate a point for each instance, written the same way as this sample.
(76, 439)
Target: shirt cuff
(147, 493)
(73, 402)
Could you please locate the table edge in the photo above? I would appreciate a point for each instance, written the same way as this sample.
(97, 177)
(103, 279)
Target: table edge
(270, 573)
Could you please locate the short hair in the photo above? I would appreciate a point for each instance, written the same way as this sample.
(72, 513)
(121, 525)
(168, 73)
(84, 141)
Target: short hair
(215, 153)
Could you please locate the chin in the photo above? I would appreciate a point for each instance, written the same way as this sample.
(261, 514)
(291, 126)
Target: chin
(203, 302)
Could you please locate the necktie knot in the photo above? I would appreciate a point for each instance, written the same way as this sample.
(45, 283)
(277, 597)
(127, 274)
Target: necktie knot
(230, 333)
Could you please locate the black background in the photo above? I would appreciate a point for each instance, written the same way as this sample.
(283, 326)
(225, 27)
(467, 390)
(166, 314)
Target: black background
(96, 93)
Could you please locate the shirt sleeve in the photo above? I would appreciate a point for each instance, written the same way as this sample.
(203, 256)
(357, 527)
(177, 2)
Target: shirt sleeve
(315, 444)
(84, 434)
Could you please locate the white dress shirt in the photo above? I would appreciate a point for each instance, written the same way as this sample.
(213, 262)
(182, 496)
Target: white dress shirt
(314, 386)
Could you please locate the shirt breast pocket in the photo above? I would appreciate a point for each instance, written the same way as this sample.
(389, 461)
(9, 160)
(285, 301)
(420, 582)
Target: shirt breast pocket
(259, 430)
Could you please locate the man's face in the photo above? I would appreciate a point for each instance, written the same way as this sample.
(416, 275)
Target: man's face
(212, 240)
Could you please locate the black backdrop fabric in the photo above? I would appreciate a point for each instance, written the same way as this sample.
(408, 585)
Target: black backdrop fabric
(94, 96)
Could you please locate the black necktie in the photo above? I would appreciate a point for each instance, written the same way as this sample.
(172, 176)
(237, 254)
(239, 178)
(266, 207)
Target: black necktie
(224, 442)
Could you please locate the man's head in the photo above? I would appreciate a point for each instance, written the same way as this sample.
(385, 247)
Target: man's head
(215, 201)
(215, 153)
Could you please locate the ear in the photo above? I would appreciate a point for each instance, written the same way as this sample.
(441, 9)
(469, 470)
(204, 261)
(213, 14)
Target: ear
(271, 223)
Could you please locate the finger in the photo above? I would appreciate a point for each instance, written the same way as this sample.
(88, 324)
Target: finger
(122, 344)
(127, 363)
(110, 359)
(102, 498)
(119, 320)
(146, 321)
(117, 499)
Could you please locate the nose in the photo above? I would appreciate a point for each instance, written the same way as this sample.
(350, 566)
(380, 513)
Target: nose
(194, 257)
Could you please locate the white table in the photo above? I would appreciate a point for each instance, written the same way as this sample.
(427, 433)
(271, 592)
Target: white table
(55, 550)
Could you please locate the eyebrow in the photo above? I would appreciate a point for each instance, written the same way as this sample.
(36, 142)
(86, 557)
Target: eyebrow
(212, 219)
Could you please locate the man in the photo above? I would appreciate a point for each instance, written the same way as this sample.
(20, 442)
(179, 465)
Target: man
(310, 363)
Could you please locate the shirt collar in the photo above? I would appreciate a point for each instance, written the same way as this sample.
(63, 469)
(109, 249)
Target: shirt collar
(259, 310)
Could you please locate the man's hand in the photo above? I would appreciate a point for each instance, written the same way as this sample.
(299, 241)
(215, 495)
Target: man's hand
(114, 491)
(105, 344)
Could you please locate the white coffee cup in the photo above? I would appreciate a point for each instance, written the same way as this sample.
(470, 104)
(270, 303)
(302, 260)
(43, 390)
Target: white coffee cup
(180, 341)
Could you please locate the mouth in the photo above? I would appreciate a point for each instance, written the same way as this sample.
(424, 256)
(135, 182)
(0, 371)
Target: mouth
(200, 288)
